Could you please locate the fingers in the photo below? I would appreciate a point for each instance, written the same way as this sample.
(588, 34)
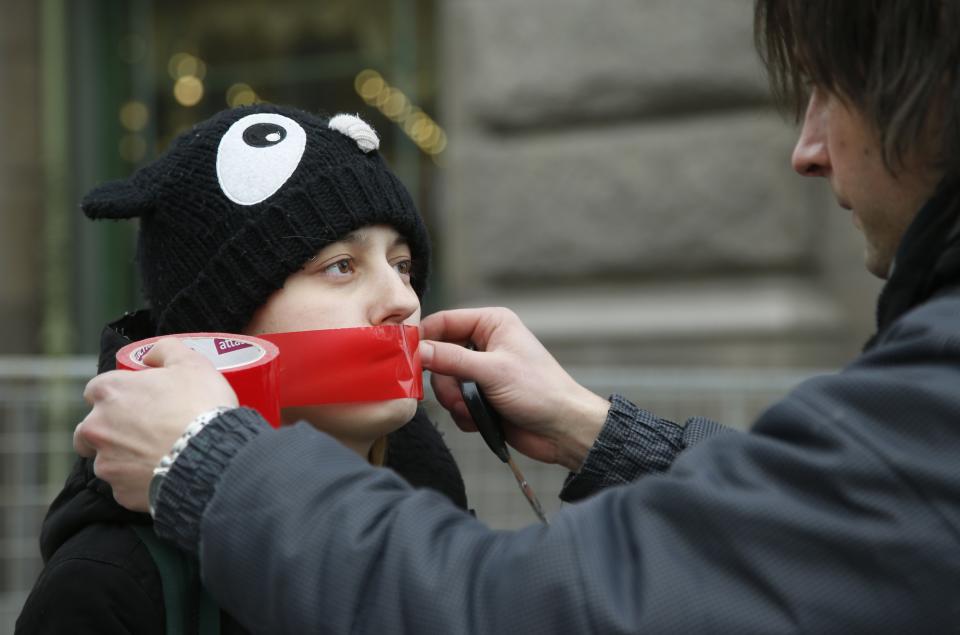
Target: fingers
(461, 417)
(450, 326)
(96, 391)
(446, 389)
(170, 351)
(447, 392)
(93, 391)
(464, 325)
(80, 444)
(454, 360)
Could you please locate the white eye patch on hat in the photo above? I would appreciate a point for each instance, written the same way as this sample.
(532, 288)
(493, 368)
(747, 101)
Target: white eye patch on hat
(260, 152)
(257, 155)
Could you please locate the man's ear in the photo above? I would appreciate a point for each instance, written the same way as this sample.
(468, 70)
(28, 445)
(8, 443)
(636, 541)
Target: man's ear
(116, 200)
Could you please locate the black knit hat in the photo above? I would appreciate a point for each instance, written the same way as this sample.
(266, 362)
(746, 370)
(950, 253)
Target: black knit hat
(243, 200)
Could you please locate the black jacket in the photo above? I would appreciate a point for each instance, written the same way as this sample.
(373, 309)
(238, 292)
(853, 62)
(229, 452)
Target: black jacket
(98, 576)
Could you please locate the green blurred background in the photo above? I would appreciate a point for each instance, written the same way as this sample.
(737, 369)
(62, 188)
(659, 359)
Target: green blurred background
(98, 87)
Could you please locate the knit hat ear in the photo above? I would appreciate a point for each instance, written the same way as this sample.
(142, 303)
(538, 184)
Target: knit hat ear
(116, 200)
(357, 129)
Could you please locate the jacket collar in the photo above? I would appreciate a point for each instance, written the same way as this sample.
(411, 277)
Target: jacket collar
(131, 327)
(927, 261)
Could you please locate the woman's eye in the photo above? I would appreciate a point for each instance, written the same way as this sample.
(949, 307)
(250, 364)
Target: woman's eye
(404, 267)
(340, 268)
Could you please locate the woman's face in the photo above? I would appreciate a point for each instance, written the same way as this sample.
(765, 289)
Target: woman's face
(362, 280)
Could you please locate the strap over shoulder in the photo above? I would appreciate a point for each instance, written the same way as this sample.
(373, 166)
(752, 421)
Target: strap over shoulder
(182, 588)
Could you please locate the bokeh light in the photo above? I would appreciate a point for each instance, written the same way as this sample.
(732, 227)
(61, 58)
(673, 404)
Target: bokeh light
(188, 91)
(396, 106)
(185, 65)
(241, 94)
(134, 116)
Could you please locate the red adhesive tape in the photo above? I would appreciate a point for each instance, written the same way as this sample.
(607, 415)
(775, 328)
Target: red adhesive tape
(277, 370)
(371, 363)
(249, 364)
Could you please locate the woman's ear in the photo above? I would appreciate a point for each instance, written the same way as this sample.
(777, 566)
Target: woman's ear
(116, 200)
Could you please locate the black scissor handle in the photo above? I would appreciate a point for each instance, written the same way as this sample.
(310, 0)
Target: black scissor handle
(485, 417)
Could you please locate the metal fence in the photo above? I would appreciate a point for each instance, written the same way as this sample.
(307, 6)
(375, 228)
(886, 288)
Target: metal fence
(40, 403)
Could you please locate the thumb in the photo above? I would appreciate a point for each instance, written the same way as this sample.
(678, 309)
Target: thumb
(454, 360)
(80, 443)
(170, 351)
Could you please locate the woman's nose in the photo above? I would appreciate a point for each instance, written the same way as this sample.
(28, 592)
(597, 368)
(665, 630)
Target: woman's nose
(392, 301)
(810, 156)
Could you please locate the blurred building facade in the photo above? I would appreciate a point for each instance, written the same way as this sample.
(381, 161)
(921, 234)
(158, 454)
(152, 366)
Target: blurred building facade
(618, 176)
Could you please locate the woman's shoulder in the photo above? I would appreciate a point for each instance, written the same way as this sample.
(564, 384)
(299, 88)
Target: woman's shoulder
(102, 578)
(418, 453)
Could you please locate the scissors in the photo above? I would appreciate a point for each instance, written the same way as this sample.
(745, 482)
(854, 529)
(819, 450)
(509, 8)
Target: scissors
(490, 426)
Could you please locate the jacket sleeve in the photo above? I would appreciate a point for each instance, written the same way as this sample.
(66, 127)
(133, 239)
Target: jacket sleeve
(632, 443)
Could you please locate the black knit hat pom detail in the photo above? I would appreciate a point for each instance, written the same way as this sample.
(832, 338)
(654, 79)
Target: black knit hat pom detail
(117, 200)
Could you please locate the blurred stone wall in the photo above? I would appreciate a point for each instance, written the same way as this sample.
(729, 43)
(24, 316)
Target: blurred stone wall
(617, 175)
(21, 211)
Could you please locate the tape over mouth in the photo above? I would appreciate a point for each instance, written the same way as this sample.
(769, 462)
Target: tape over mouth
(304, 368)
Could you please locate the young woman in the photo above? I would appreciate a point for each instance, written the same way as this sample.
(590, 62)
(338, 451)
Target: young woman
(262, 219)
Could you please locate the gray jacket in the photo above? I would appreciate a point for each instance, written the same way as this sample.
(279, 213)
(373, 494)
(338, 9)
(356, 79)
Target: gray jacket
(839, 512)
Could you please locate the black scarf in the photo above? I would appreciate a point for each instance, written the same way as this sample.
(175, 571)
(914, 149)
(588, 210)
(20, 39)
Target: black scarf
(927, 261)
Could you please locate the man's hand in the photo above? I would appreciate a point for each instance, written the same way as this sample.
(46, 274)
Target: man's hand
(137, 416)
(547, 415)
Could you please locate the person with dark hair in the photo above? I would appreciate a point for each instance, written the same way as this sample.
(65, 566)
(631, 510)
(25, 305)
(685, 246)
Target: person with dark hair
(262, 219)
(838, 512)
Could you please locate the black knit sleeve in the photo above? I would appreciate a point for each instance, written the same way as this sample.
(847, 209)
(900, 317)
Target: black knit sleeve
(633, 442)
(193, 477)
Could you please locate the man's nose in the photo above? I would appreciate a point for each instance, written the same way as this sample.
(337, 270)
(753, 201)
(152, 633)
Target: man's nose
(810, 156)
(393, 300)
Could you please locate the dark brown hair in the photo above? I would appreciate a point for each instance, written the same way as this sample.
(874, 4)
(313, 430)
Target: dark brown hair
(895, 61)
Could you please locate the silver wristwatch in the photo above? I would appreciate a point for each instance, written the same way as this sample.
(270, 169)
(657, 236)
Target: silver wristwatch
(160, 472)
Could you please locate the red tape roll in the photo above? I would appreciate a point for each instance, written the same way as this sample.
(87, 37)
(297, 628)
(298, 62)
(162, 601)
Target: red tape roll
(302, 368)
(249, 364)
